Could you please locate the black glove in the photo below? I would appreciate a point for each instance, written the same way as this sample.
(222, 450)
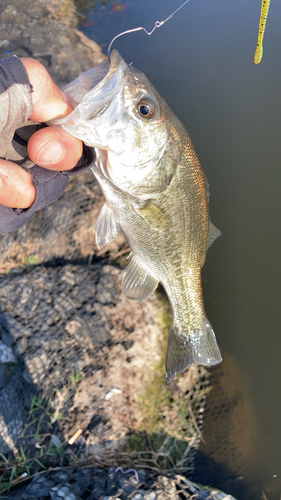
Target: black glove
(16, 130)
(49, 186)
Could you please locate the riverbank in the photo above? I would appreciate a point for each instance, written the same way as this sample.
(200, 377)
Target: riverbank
(46, 30)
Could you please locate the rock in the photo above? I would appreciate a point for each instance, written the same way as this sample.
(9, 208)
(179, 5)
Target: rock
(62, 492)
(150, 496)
(142, 474)
(83, 479)
(100, 485)
(6, 354)
(111, 482)
(4, 374)
(39, 487)
(127, 485)
(111, 498)
(12, 418)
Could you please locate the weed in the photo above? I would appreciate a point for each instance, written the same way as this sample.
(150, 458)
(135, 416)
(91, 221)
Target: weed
(75, 378)
(15, 469)
(42, 416)
(25, 261)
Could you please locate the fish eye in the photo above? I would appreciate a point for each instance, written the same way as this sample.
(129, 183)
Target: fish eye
(146, 108)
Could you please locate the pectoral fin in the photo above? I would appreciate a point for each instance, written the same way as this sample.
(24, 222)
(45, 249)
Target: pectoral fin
(107, 226)
(214, 233)
(154, 216)
(138, 284)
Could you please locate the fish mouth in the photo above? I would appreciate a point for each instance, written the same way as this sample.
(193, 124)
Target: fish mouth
(90, 79)
(93, 91)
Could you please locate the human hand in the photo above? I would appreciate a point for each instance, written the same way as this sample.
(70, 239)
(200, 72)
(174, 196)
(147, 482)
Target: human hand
(50, 147)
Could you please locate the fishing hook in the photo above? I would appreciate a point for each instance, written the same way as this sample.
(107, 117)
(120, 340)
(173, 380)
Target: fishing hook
(158, 24)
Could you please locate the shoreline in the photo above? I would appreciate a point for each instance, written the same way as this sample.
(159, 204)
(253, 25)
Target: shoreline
(47, 30)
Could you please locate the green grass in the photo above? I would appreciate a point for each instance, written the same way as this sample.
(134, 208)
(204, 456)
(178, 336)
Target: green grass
(24, 262)
(42, 422)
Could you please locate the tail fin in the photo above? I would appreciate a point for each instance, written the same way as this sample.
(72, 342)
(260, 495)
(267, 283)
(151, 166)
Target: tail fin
(184, 349)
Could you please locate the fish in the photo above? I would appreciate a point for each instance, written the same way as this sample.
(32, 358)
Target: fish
(263, 18)
(156, 193)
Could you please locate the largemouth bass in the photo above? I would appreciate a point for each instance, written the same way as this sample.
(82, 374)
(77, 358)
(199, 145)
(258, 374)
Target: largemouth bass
(156, 192)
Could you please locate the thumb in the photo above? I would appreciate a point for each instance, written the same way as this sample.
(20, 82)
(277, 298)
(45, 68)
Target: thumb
(48, 100)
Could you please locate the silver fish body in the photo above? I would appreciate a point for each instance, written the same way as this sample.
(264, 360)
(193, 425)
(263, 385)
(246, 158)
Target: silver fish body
(156, 192)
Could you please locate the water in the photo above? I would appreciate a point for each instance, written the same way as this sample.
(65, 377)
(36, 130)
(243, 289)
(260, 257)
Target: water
(202, 63)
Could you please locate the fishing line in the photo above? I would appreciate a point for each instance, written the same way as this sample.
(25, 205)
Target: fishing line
(158, 24)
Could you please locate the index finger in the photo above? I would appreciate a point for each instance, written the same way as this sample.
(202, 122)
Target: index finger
(48, 100)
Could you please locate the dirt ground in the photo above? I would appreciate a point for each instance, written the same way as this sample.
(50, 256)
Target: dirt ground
(46, 30)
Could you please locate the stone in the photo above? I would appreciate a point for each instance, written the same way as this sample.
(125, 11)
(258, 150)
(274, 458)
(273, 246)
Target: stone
(142, 475)
(126, 485)
(83, 479)
(12, 418)
(150, 496)
(63, 476)
(71, 496)
(38, 488)
(61, 492)
(6, 354)
(4, 374)
(111, 498)
(111, 482)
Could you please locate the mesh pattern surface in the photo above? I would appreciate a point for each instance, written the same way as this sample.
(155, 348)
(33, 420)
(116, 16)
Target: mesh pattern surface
(63, 315)
(64, 229)
(80, 351)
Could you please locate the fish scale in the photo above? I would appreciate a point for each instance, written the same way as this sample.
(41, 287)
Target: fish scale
(156, 192)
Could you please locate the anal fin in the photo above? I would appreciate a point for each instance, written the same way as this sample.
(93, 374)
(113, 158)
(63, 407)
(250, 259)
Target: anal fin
(138, 284)
(107, 226)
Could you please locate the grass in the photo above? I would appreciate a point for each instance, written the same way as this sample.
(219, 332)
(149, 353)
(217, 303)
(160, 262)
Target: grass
(14, 470)
(25, 261)
(42, 421)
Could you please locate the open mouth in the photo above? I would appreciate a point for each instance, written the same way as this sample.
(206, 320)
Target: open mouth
(87, 81)
(100, 76)
(93, 91)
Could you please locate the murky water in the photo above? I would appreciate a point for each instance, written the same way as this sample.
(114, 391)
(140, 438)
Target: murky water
(202, 62)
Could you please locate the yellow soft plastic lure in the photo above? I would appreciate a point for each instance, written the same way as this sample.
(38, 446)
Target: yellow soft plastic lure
(264, 11)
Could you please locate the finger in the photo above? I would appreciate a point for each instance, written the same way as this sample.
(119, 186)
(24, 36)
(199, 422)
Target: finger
(54, 148)
(16, 186)
(48, 100)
